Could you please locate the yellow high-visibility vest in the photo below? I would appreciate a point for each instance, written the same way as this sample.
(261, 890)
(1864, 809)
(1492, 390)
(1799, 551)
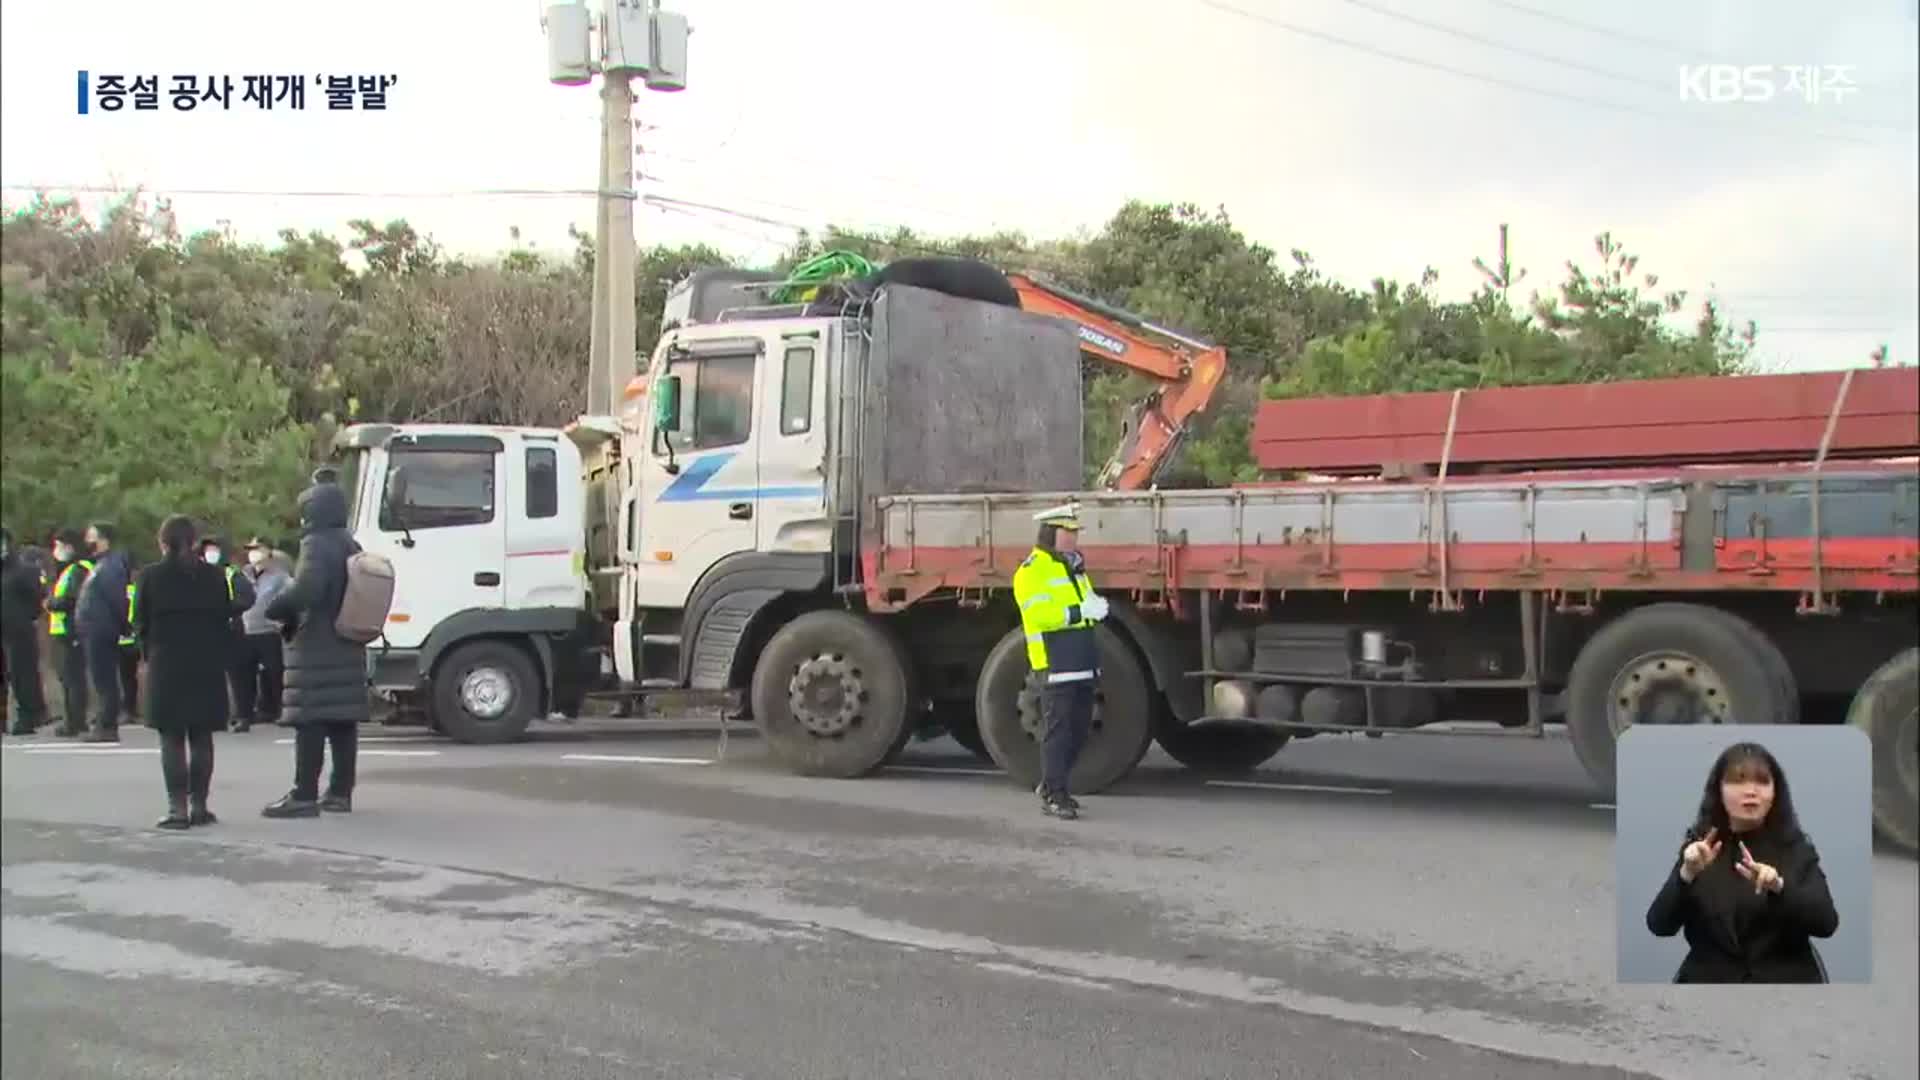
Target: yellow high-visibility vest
(127, 638)
(62, 588)
(1049, 596)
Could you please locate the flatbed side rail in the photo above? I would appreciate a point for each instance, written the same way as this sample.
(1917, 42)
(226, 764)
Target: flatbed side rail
(1576, 534)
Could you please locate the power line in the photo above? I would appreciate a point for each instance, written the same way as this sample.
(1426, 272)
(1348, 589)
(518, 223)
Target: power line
(1495, 80)
(1593, 28)
(1517, 50)
(245, 193)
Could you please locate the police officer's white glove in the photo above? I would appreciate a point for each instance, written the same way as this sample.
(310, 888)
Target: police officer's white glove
(1094, 607)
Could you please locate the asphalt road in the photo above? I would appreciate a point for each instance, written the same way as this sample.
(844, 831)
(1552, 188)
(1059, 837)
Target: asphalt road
(619, 904)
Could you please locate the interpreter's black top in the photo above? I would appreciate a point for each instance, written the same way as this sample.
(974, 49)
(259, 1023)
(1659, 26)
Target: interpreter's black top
(1735, 936)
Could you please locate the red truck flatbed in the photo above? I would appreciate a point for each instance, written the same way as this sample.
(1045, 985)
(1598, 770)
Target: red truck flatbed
(1752, 419)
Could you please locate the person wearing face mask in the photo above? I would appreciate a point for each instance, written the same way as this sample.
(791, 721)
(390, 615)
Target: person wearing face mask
(100, 615)
(20, 639)
(70, 573)
(257, 671)
(1747, 889)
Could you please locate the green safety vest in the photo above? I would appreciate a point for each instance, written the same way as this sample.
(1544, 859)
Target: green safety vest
(62, 588)
(127, 638)
(1049, 596)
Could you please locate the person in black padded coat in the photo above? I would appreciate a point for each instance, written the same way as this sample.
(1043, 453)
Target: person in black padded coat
(182, 612)
(1747, 889)
(324, 693)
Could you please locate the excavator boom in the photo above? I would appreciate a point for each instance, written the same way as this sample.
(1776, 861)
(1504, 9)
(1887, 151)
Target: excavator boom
(1188, 373)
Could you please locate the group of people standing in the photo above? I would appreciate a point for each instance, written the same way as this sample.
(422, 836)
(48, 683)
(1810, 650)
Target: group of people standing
(90, 598)
(224, 646)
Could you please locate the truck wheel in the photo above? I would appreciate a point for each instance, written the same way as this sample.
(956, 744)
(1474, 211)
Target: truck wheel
(1007, 703)
(1218, 750)
(830, 695)
(962, 725)
(485, 692)
(1887, 708)
(1671, 664)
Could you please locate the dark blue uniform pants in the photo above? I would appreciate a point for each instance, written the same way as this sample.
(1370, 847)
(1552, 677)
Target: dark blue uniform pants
(1068, 709)
(103, 670)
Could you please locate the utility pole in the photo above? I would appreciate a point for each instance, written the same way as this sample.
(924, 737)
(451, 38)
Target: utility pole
(635, 39)
(618, 195)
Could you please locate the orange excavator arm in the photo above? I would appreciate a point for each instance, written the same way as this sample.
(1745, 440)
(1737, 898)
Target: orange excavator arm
(1187, 371)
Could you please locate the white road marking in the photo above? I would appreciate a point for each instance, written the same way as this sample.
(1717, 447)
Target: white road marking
(377, 739)
(637, 759)
(85, 751)
(399, 753)
(1256, 785)
(1600, 806)
(944, 771)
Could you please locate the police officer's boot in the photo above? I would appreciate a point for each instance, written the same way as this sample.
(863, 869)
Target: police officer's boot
(1058, 805)
(177, 814)
(198, 814)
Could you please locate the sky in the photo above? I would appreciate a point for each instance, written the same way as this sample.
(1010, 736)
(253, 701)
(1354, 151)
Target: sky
(1380, 136)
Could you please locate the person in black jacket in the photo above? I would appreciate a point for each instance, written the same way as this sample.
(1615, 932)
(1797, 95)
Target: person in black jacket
(20, 640)
(1747, 889)
(183, 614)
(101, 615)
(324, 696)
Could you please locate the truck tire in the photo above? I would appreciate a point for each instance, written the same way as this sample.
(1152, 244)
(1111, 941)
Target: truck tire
(1217, 750)
(485, 692)
(1007, 703)
(1671, 663)
(1887, 708)
(830, 695)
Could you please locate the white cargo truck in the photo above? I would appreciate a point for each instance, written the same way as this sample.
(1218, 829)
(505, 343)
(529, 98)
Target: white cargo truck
(662, 549)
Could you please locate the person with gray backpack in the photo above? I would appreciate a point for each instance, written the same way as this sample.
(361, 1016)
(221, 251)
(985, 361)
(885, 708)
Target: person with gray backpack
(336, 605)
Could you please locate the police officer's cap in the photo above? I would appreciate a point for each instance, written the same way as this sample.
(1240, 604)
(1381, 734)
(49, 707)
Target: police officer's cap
(1064, 517)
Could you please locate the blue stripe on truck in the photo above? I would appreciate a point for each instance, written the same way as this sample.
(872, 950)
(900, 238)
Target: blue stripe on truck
(691, 485)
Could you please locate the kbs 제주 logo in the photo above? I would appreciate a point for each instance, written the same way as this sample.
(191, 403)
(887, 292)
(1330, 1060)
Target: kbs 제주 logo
(1721, 84)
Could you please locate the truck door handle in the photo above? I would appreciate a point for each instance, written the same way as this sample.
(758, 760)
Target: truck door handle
(740, 511)
(486, 577)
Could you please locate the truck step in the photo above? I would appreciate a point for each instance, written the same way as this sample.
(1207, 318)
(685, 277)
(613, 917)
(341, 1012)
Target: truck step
(662, 640)
(659, 684)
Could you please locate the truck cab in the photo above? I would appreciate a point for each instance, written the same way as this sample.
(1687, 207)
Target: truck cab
(720, 487)
(488, 627)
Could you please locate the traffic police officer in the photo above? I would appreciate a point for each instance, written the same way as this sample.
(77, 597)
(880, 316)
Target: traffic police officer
(71, 572)
(1058, 610)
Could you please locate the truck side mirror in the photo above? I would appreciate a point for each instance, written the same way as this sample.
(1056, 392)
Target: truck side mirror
(666, 405)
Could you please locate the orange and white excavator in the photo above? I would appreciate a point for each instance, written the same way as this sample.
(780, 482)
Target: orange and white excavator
(1188, 372)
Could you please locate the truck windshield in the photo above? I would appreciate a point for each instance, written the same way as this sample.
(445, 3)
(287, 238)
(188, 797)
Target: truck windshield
(428, 489)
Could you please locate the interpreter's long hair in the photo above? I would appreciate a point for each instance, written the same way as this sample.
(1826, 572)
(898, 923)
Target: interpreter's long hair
(1781, 823)
(179, 539)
